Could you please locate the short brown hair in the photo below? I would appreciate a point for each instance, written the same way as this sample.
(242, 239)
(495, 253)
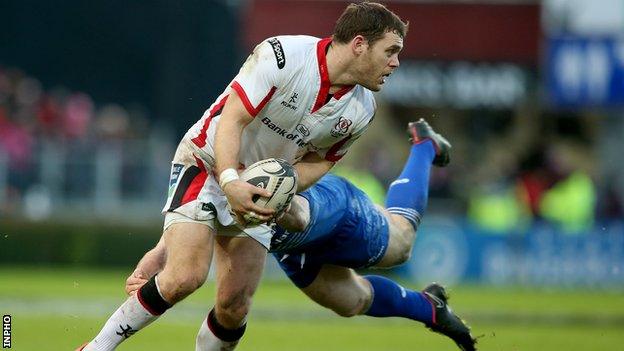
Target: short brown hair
(368, 19)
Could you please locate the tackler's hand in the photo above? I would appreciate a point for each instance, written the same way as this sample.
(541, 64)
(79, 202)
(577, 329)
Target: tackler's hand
(135, 281)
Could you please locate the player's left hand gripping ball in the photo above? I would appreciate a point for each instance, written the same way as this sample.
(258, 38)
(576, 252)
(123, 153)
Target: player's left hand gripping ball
(276, 176)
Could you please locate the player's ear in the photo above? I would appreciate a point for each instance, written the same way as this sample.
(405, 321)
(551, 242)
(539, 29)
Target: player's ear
(359, 44)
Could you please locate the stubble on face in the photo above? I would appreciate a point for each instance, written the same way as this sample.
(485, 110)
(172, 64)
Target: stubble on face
(375, 63)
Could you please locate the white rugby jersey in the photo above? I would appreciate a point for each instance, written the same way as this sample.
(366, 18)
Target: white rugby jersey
(284, 84)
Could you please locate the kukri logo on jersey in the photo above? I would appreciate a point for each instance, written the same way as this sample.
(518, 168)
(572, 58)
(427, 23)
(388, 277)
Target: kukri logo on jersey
(291, 102)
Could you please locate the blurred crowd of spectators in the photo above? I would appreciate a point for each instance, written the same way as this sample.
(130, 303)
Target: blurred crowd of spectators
(32, 116)
(508, 169)
(546, 167)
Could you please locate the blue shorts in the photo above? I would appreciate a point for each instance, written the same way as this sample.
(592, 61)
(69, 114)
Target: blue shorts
(346, 229)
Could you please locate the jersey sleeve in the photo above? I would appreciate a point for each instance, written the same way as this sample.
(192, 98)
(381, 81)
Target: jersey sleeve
(260, 75)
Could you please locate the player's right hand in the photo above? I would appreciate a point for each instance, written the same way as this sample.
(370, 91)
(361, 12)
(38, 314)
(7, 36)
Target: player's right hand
(240, 194)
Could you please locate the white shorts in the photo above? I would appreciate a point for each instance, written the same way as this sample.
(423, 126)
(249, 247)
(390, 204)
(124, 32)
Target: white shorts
(195, 196)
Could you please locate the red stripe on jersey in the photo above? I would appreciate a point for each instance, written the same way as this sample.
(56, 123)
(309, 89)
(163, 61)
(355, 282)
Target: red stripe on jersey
(253, 111)
(323, 95)
(342, 92)
(197, 184)
(321, 50)
(200, 140)
(331, 155)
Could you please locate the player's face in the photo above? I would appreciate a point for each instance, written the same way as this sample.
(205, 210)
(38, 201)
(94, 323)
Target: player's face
(379, 61)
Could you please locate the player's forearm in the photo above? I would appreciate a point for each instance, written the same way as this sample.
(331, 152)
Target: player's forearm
(154, 260)
(310, 169)
(227, 144)
(297, 218)
(229, 131)
(150, 264)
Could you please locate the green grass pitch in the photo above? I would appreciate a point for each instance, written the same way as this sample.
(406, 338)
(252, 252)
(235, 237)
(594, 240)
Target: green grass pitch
(59, 309)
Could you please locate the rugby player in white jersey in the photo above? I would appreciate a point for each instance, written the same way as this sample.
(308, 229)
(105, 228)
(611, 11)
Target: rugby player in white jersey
(337, 228)
(299, 98)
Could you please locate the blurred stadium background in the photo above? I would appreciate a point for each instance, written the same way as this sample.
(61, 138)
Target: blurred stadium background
(525, 225)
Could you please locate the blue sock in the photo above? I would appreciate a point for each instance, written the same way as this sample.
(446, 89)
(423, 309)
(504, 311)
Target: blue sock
(392, 300)
(407, 196)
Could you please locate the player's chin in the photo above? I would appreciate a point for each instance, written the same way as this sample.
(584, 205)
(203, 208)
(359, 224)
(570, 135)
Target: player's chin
(374, 86)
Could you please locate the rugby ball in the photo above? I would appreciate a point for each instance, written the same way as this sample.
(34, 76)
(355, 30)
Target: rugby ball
(278, 177)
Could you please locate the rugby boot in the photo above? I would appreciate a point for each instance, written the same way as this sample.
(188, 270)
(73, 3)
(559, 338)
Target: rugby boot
(421, 131)
(445, 321)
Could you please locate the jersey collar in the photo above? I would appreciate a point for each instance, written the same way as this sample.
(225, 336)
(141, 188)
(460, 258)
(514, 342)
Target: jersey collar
(321, 55)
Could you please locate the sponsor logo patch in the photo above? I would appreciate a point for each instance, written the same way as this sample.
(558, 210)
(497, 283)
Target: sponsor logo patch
(303, 130)
(341, 128)
(294, 137)
(279, 52)
(176, 170)
(209, 207)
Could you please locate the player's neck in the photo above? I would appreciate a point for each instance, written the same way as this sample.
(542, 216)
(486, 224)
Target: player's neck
(338, 63)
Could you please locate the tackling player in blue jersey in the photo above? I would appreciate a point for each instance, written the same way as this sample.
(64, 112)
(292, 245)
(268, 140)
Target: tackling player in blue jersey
(334, 228)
